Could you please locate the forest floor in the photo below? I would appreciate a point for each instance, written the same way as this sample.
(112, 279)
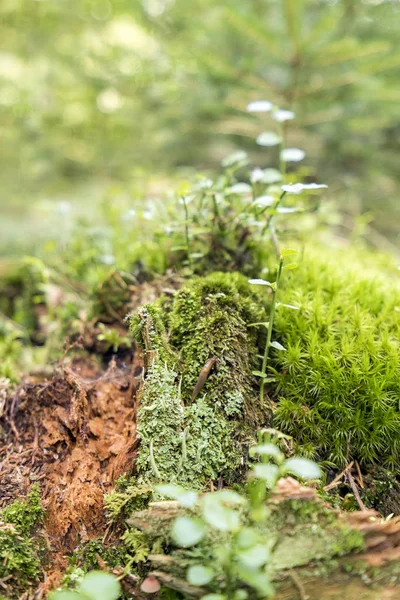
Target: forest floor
(75, 434)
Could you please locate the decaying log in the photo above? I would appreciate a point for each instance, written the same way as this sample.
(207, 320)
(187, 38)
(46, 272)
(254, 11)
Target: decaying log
(314, 557)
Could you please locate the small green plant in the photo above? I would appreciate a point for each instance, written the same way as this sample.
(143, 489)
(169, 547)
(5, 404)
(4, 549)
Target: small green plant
(113, 338)
(270, 323)
(240, 562)
(96, 585)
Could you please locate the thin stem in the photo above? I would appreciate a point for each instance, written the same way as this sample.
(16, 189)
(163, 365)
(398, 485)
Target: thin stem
(282, 162)
(275, 207)
(270, 327)
(187, 232)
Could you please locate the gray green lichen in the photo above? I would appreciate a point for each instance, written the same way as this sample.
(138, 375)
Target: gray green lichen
(195, 442)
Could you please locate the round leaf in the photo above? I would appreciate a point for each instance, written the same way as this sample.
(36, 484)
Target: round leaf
(199, 575)
(99, 585)
(268, 473)
(187, 532)
(302, 467)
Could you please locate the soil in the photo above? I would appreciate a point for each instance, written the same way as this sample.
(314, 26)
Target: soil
(75, 434)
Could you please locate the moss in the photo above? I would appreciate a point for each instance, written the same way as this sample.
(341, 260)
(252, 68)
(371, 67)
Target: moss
(382, 491)
(126, 497)
(21, 551)
(195, 442)
(25, 515)
(339, 381)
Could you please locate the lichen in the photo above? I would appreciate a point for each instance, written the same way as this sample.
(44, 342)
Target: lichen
(196, 441)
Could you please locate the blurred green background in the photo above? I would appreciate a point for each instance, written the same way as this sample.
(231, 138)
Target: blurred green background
(133, 95)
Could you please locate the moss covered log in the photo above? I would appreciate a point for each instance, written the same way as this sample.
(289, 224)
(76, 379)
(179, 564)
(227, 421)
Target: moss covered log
(192, 430)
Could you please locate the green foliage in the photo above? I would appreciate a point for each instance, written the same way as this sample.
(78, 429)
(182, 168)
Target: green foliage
(112, 338)
(189, 437)
(126, 497)
(20, 551)
(25, 515)
(339, 380)
(232, 544)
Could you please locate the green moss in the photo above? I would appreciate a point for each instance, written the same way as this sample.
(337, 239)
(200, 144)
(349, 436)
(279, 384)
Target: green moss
(195, 442)
(382, 491)
(20, 550)
(127, 496)
(307, 532)
(25, 515)
(339, 381)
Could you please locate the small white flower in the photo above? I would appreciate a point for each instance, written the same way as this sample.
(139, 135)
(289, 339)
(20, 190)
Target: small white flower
(264, 201)
(205, 184)
(257, 175)
(297, 188)
(283, 115)
(272, 176)
(235, 158)
(259, 106)
(240, 188)
(292, 154)
(268, 138)
(314, 186)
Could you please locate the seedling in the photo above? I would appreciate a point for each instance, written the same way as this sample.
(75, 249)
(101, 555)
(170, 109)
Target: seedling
(270, 324)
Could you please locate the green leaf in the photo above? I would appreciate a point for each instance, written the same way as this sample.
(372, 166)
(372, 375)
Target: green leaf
(214, 597)
(187, 532)
(288, 210)
(259, 374)
(302, 467)
(288, 306)
(99, 585)
(199, 575)
(268, 138)
(278, 346)
(290, 266)
(260, 282)
(187, 498)
(268, 473)
(267, 450)
(254, 557)
(257, 579)
(218, 515)
(265, 323)
(285, 252)
(240, 595)
(247, 537)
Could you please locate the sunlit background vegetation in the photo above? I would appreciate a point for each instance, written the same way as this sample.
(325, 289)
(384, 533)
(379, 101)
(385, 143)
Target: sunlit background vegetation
(103, 98)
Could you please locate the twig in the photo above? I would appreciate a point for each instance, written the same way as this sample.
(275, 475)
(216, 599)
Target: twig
(299, 585)
(360, 477)
(337, 479)
(355, 491)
